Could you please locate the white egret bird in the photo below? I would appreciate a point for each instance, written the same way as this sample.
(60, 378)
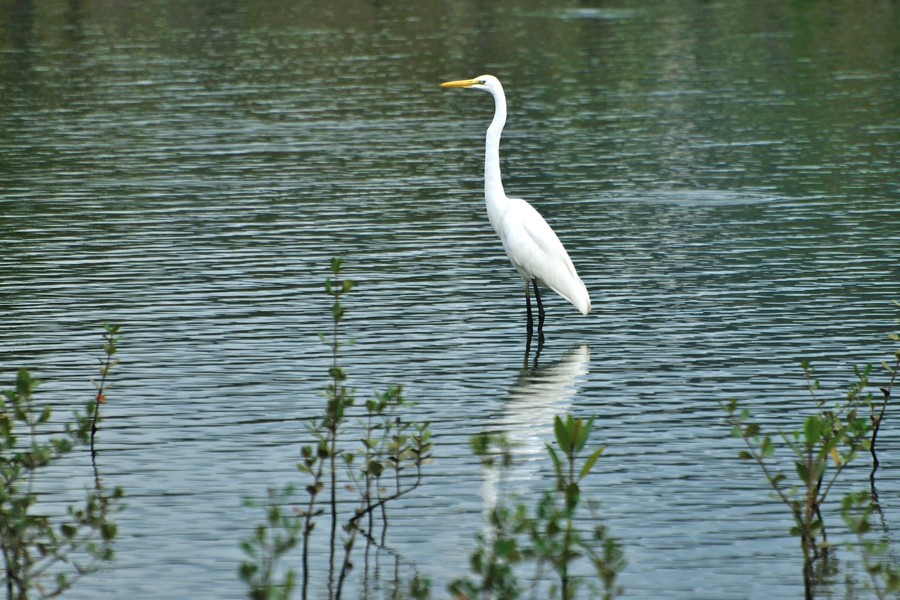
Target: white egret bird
(531, 245)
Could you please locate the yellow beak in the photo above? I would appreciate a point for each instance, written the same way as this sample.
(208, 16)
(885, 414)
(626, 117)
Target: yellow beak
(460, 83)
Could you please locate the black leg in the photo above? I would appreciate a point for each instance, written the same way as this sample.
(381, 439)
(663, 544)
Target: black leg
(537, 297)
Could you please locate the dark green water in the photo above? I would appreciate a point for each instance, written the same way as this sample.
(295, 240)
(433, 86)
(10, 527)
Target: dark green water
(724, 176)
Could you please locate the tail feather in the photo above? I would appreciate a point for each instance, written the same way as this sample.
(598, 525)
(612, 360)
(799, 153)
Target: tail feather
(576, 293)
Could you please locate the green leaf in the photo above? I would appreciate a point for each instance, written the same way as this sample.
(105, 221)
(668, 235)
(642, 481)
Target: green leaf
(584, 432)
(45, 414)
(572, 495)
(25, 383)
(766, 447)
(812, 430)
(589, 463)
(248, 569)
(480, 443)
(557, 466)
(108, 531)
(563, 432)
(375, 468)
(337, 312)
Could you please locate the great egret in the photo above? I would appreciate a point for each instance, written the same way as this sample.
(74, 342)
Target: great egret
(531, 245)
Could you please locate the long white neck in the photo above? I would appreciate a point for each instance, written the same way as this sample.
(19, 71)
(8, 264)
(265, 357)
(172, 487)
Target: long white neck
(494, 196)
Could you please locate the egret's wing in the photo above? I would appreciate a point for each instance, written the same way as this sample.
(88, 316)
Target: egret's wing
(537, 253)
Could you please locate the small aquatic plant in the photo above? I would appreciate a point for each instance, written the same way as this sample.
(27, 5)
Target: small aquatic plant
(878, 559)
(268, 543)
(43, 554)
(826, 442)
(386, 465)
(547, 537)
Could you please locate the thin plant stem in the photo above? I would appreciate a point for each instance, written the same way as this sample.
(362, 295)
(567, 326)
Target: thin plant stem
(876, 421)
(308, 527)
(332, 432)
(104, 368)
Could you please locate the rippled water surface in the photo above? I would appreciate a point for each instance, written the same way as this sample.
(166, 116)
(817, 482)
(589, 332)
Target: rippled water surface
(725, 178)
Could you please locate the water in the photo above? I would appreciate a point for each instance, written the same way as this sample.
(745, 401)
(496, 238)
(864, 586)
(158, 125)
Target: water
(724, 178)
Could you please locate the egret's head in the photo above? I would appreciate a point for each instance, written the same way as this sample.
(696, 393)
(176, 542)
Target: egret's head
(488, 83)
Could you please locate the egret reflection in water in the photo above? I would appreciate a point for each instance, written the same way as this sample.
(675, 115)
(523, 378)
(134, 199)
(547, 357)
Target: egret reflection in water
(526, 419)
